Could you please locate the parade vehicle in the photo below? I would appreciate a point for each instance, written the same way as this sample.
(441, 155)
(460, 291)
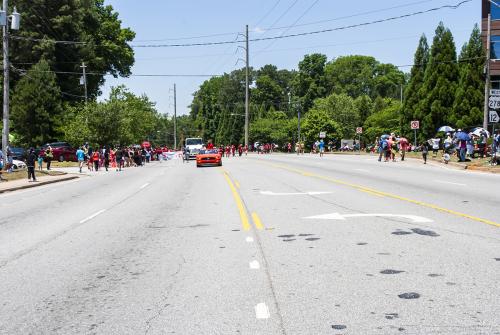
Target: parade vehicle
(194, 145)
(210, 157)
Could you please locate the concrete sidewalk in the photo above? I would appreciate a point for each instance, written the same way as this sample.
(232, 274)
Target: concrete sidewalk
(21, 184)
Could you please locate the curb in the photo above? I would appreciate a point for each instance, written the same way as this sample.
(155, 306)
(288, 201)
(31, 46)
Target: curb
(38, 184)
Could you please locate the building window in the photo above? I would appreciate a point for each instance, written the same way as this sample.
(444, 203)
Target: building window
(495, 12)
(495, 47)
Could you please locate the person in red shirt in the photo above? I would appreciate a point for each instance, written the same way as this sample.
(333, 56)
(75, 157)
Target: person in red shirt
(240, 150)
(210, 145)
(95, 159)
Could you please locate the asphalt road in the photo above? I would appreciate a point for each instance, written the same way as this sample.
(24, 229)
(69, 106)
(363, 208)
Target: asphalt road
(275, 244)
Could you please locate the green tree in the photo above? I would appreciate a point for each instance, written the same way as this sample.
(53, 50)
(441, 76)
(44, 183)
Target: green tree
(341, 109)
(309, 83)
(468, 104)
(316, 121)
(36, 107)
(104, 45)
(385, 121)
(440, 83)
(363, 75)
(413, 90)
(364, 106)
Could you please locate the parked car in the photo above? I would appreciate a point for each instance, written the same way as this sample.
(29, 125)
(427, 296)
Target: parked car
(18, 165)
(62, 151)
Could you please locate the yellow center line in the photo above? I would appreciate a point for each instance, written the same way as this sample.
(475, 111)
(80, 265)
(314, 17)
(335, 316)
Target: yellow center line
(237, 184)
(239, 203)
(257, 222)
(385, 194)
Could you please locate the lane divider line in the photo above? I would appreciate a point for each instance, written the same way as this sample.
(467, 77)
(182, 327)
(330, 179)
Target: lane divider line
(144, 186)
(249, 239)
(257, 222)
(93, 216)
(237, 184)
(262, 311)
(254, 265)
(239, 203)
(388, 195)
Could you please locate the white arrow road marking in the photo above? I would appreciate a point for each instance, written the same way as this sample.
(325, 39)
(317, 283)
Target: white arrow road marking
(300, 193)
(337, 216)
(93, 216)
(449, 182)
(261, 311)
(254, 265)
(249, 239)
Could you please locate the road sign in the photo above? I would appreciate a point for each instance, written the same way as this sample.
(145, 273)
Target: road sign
(494, 118)
(495, 92)
(322, 134)
(494, 102)
(359, 130)
(415, 125)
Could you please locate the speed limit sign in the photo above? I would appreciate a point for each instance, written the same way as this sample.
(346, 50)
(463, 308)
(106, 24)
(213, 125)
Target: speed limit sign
(415, 125)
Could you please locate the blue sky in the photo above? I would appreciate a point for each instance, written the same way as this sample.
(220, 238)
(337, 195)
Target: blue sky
(169, 21)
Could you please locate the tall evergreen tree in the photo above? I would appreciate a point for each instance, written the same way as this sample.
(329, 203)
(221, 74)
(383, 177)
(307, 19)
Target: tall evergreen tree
(412, 91)
(468, 106)
(36, 107)
(440, 83)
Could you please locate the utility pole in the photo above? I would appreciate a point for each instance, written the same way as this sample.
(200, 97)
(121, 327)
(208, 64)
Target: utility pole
(247, 93)
(175, 117)
(6, 88)
(15, 20)
(84, 79)
(487, 70)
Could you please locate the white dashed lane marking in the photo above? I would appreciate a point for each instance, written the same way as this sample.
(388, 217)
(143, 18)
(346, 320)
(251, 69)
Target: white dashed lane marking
(93, 216)
(254, 265)
(262, 311)
(144, 186)
(249, 239)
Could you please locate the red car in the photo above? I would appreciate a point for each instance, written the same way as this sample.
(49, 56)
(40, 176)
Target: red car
(61, 151)
(208, 158)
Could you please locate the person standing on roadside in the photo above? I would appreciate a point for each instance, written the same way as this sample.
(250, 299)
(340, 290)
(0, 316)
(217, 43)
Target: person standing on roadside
(321, 148)
(49, 154)
(425, 151)
(95, 159)
(106, 157)
(119, 159)
(30, 162)
(80, 156)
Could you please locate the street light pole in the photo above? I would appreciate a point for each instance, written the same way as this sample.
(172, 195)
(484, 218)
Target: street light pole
(247, 93)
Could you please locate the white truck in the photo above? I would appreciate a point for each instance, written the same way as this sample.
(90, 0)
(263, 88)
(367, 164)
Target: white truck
(194, 145)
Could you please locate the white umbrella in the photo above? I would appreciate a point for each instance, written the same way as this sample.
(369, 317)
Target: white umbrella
(446, 129)
(479, 131)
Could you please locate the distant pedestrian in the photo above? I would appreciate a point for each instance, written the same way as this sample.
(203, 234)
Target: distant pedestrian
(80, 156)
(1, 166)
(119, 159)
(425, 151)
(95, 159)
(30, 162)
(49, 154)
(321, 148)
(40, 163)
(105, 153)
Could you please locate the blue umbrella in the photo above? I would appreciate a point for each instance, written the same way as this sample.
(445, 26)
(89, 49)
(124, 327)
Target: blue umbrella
(461, 136)
(446, 129)
(385, 136)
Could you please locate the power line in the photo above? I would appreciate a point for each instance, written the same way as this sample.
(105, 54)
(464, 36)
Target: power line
(268, 12)
(350, 16)
(393, 18)
(290, 27)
